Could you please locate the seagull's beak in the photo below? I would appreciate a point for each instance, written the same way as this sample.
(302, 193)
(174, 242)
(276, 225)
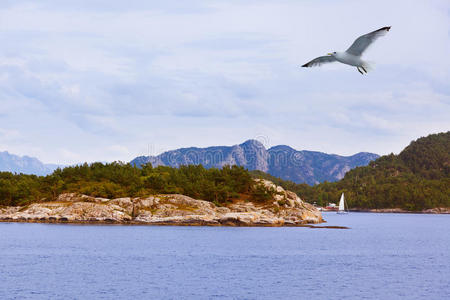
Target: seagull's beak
(329, 53)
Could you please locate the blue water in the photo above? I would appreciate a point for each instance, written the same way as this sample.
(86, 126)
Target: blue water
(382, 256)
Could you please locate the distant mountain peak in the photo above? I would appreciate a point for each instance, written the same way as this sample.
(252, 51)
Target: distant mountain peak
(281, 148)
(24, 164)
(253, 143)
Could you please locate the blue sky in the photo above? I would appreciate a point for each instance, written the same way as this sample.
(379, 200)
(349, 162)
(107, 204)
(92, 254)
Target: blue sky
(111, 80)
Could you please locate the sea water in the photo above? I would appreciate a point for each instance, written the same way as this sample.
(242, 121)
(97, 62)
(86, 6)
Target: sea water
(381, 256)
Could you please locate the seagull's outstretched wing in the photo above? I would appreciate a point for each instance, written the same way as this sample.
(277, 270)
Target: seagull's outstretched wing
(364, 41)
(319, 61)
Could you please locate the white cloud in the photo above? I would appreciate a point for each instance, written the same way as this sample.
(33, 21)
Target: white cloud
(103, 80)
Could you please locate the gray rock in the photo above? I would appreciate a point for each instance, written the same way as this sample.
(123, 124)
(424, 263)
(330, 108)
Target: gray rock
(168, 210)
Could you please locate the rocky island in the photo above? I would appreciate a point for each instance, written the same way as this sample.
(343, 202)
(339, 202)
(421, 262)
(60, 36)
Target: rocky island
(285, 209)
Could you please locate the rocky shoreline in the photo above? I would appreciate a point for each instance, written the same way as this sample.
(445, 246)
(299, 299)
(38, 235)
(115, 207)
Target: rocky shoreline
(437, 210)
(286, 209)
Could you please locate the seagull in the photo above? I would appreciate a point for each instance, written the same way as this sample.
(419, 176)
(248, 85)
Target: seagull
(353, 54)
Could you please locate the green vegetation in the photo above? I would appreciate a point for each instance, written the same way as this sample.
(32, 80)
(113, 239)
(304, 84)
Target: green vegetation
(120, 180)
(418, 178)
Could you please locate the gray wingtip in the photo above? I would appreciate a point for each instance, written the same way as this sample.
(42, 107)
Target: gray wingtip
(305, 65)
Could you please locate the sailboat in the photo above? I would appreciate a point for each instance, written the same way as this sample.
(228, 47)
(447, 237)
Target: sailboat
(341, 209)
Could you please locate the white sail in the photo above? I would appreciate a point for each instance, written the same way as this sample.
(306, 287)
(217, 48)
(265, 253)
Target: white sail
(341, 203)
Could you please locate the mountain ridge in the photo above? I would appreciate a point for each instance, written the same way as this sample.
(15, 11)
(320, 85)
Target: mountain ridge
(282, 161)
(24, 164)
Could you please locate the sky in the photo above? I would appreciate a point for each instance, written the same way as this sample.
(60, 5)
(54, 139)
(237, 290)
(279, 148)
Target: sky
(104, 80)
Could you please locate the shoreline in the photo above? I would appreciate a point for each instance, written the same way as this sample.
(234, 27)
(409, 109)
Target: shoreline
(432, 211)
(193, 224)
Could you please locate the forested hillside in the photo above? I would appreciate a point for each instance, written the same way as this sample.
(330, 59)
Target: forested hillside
(418, 178)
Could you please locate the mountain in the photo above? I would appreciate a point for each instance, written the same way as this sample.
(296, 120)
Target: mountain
(428, 157)
(416, 179)
(281, 161)
(313, 167)
(24, 164)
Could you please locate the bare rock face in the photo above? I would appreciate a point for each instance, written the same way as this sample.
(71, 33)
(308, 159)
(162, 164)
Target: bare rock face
(438, 210)
(286, 209)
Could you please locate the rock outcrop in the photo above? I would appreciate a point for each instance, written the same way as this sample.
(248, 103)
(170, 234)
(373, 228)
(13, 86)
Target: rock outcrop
(287, 209)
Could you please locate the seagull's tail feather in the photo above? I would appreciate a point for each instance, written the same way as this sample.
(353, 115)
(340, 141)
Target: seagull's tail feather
(369, 66)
